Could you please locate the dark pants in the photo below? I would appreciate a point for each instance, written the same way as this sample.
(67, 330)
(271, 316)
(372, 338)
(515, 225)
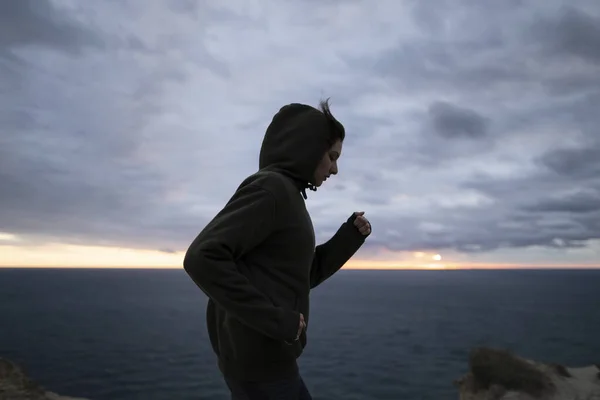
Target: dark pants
(288, 389)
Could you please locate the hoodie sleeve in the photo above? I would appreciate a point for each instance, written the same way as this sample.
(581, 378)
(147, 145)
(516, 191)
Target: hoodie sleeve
(333, 254)
(210, 261)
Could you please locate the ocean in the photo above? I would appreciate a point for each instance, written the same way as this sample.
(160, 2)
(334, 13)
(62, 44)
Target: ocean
(140, 334)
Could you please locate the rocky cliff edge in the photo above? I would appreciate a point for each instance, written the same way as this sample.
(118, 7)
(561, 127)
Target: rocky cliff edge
(501, 375)
(493, 375)
(15, 385)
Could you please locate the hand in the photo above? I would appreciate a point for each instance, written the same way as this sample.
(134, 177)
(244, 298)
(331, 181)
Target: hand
(301, 327)
(362, 223)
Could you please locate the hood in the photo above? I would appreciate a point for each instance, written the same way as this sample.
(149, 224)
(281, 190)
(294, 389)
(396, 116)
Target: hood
(295, 142)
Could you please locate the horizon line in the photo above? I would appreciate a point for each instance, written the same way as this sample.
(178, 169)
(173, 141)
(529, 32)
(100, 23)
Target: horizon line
(349, 268)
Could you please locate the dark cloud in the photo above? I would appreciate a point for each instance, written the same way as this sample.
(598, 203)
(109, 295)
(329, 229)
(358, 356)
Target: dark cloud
(535, 209)
(93, 193)
(39, 22)
(486, 230)
(451, 121)
(168, 251)
(581, 202)
(483, 61)
(574, 31)
(575, 163)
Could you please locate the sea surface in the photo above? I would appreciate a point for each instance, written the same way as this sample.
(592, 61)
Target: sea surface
(140, 334)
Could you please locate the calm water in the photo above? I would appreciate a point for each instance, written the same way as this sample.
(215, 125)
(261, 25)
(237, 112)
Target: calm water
(140, 334)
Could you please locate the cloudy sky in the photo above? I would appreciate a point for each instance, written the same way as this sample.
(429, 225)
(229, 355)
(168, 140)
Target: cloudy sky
(472, 126)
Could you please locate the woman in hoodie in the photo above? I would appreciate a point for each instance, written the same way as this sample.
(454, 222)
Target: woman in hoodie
(257, 260)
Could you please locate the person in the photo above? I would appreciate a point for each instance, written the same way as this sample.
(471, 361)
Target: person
(256, 260)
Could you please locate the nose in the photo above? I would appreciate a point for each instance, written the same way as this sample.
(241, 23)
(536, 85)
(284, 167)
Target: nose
(334, 169)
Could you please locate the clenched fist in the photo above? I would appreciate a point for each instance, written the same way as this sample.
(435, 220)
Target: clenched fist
(362, 223)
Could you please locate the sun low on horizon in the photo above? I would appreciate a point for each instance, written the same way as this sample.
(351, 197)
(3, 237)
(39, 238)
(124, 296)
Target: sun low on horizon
(58, 255)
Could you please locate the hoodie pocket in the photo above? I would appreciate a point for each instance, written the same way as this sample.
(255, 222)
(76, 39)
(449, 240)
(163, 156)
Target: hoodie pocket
(250, 347)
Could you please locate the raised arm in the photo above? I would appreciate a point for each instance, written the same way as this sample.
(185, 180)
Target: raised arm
(333, 254)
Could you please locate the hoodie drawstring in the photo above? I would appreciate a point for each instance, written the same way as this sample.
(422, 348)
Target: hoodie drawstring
(309, 186)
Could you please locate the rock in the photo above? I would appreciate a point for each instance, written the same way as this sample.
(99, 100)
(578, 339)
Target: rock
(500, 375)
(15, 385)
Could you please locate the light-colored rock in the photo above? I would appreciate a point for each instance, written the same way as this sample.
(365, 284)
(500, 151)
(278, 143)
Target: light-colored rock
(15, 385)
(500, 375)
(493, 375)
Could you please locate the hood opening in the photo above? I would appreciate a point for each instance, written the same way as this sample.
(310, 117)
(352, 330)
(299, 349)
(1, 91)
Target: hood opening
(294, 144)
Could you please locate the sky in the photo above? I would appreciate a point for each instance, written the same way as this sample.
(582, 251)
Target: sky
(473, 134)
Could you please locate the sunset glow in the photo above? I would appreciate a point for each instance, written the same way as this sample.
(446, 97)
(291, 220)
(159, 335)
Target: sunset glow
(69, 256)
(58, 255)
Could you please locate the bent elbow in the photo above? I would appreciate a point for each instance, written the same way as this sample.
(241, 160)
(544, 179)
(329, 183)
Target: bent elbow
(204, 264)
(187, 262)
(192, 264)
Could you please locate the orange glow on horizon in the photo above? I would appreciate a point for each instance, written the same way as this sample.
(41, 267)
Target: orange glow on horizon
(391, 265)
(59, 255)
(69, 256)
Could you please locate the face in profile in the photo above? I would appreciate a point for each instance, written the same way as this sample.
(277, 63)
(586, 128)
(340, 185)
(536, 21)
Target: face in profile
(328, 164)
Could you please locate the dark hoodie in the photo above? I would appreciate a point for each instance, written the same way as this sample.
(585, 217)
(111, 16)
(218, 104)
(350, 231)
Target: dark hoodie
(257, 261)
